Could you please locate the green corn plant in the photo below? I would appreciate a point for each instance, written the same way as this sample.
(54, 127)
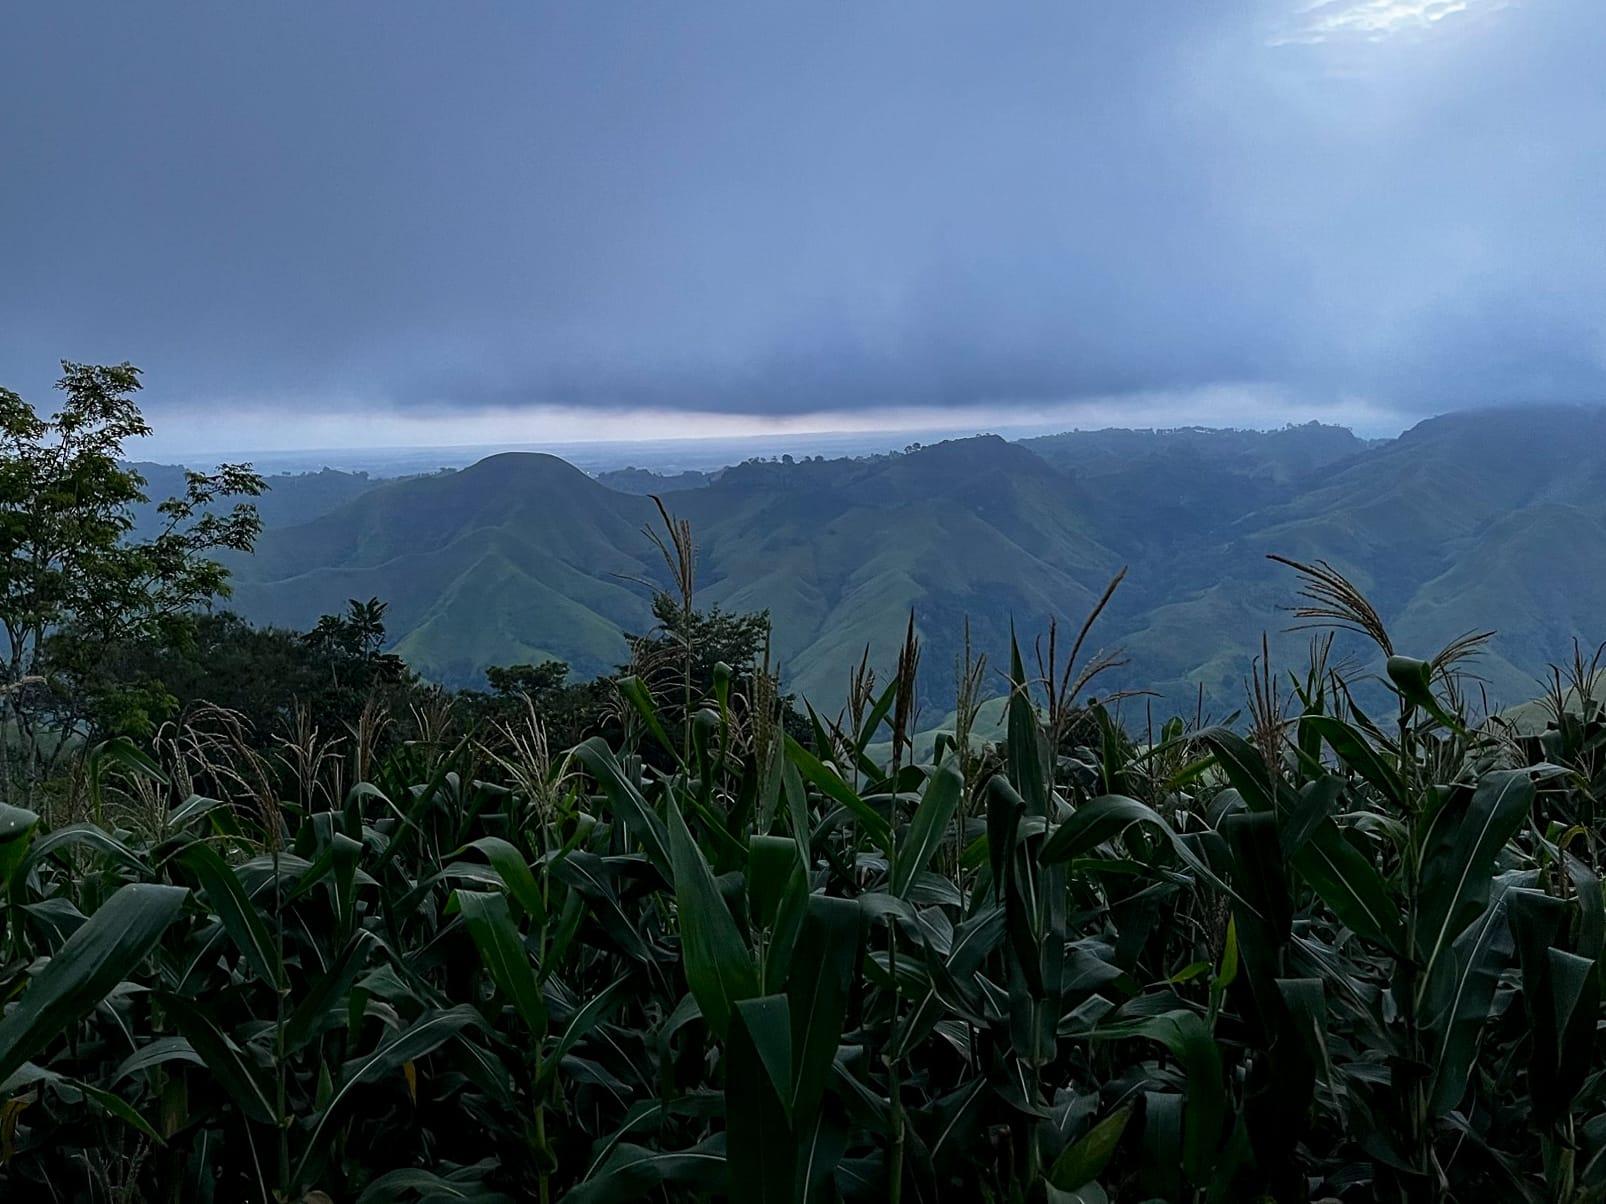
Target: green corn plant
(1319, 955)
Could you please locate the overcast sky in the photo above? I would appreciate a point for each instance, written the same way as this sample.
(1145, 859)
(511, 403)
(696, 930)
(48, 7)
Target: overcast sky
(470, 222)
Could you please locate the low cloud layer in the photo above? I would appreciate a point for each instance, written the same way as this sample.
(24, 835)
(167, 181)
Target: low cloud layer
(415, 213)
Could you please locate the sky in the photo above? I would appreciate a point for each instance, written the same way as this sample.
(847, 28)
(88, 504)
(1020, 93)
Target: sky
(323, 225)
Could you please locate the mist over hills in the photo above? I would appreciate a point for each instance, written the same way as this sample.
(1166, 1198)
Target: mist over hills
(1492, 518)
(291, 498)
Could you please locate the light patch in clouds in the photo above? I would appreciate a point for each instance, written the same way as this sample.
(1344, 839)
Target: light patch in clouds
(231, 430)
(1374, 20)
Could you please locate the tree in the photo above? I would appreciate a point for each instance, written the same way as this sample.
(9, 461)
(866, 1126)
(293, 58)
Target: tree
(711, 637)
(568, 711)
(73, 581)
(266, 675)
(681, 658)
(535, 682)
(358, 637)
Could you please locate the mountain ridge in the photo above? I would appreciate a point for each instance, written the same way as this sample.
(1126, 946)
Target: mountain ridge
(523, 556)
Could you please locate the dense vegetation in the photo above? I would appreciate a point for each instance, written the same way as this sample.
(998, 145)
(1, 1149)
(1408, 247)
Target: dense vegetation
(1338, 957)
(369, 942)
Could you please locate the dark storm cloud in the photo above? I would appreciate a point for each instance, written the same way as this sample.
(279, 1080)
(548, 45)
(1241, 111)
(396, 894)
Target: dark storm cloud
(780, 208)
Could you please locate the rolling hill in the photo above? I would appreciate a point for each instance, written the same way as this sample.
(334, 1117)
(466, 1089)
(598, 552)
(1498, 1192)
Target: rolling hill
(1490, 518)
(291, 498)
(520, 557)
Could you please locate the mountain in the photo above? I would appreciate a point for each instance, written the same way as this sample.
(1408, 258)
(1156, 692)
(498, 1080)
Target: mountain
(645, 481)
(290, 499)
(1476, 519)
(840, 551)
(1470, 521)
(1282, 455)
(520, 557)
(1159, 487)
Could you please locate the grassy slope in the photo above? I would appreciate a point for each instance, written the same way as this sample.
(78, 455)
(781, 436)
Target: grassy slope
(842, 552)
(1490, 518)
(519, 557)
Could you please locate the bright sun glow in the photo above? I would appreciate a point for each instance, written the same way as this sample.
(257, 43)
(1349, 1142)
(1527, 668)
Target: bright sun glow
(1375, 20)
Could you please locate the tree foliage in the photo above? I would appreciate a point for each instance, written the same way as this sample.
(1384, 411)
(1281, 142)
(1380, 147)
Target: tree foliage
(73, 582)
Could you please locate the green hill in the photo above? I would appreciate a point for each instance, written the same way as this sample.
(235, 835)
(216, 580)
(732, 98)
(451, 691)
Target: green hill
(1491, 518)
(840, 551)
(291, 498)
(1468, 521)
(520, 557)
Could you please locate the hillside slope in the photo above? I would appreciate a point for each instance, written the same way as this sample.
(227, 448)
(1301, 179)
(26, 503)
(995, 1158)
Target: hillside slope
(1493, 518)
(841, 551)
(1475, 520)
(520, 557)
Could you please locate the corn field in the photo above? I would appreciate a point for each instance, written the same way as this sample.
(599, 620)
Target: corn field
(1320, 954)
